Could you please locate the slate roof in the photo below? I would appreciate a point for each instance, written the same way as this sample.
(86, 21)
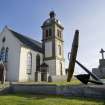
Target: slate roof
(28, 42)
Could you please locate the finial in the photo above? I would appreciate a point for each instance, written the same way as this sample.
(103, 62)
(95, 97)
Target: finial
(52, 14)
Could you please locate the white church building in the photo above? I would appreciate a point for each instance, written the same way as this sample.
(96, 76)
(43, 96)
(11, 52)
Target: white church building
(25, 59)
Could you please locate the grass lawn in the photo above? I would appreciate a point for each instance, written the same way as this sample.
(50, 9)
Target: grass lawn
(28, 99)
(72, 82)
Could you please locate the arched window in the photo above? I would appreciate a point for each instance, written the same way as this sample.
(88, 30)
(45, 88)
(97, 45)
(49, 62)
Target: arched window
(38, 62)
(46, 33)
(2, 55)
(6, 55)
(59, 48)
(59, 33)
(29, 62)
(50, 32)
(60, 68)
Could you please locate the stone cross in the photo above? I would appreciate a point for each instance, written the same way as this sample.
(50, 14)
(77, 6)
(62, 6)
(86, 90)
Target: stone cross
(102, 52)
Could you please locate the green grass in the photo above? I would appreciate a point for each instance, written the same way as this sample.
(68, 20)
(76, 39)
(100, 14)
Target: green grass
(72, 82)
(28, 99)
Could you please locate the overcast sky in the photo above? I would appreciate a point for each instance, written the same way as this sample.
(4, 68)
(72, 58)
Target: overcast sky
(26, 17)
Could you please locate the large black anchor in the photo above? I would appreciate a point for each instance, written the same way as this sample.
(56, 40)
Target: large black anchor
(84, 78)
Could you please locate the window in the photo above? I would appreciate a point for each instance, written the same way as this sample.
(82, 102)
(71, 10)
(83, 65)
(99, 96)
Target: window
(38, 62)
(60, 68)
(50, 32)
(46, 33)
(6, 55)
(59, 48)
(59, 33)
(3, 40)
(29, 63)
(2, 55)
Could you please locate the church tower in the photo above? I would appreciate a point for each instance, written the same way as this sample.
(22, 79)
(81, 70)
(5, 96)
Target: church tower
(53, 47)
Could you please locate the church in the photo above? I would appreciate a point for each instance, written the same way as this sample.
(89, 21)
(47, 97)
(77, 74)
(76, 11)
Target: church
(24, 59)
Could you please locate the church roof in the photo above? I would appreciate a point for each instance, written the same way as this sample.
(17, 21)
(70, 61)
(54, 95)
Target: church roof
(52, 20)
(28, 42)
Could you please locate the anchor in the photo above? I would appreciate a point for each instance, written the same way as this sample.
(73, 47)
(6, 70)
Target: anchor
(84, 78)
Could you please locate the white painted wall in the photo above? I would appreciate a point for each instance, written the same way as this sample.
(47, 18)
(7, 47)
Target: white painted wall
(23, 76)
(13, 54)
(58, 67)
(48, 49)
(17, 57)
(57, 43)
(52, 66)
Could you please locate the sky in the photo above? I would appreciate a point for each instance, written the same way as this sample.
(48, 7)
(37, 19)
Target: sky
(88, 16)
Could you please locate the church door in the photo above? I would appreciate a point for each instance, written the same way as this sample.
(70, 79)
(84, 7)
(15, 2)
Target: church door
(1, 72)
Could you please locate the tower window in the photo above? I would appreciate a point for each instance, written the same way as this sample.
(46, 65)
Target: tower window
(50, 32)
(59, 33)
(59, 48)
(46, 33)
(61, 68)
(29, 63)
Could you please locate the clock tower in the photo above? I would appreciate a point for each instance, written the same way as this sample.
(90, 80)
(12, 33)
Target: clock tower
(52, 43)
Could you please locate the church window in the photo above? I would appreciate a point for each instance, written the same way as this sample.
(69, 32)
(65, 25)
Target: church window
(59, 33)
(2, 55)
(50, 32)
(29, 63)
(59, 48)
(3, 40)
(38, 62)
(46, 33)
(60, 68)
(6, 55)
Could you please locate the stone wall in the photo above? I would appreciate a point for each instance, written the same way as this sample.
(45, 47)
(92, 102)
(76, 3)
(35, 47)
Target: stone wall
(34, 88)
(84, 91)
(88, 91)
(57, 78)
